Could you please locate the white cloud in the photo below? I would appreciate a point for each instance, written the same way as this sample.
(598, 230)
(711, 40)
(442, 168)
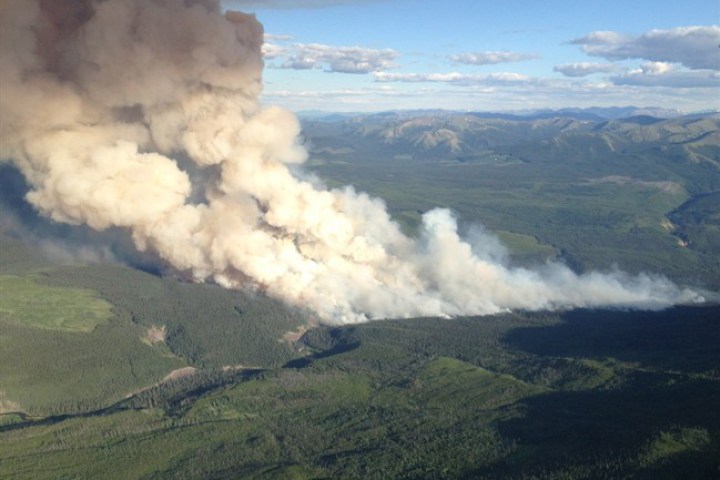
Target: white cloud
(661, 74)
(584, 69)
(452, 77)
(334, 59)
(271, 51)
(656, 68)
(695, 47)
(491, 58)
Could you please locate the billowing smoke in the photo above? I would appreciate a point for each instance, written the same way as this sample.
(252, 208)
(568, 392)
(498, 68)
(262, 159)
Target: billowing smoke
(144, 115)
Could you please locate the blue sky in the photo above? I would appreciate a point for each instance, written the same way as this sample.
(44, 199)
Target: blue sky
(340, 55)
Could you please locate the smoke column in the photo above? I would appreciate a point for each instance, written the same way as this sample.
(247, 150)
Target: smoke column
(144, 115)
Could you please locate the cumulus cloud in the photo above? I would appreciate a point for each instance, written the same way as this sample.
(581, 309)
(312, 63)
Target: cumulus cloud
(656, 68)
(272, 51)
(491, 58)
(333, 59)
(584, 69)
(101, 97)
(695, 47)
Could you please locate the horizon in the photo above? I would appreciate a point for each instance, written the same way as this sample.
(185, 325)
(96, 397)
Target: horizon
(669, 113)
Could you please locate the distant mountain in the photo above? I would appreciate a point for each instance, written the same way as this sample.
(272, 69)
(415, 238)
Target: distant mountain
(690, 130)
(440, 134)
(608, 113)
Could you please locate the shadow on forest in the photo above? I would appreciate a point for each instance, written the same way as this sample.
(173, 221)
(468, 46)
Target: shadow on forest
(651, 339)
(617, 424)
(671, 383)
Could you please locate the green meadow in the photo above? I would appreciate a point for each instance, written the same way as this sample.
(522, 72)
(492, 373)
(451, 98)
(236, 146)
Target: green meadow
(28, 303)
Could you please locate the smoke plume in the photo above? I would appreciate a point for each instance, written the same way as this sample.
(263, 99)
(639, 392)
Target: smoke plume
(144, 115)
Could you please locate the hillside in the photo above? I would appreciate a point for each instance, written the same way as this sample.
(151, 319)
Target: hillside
(79, 337)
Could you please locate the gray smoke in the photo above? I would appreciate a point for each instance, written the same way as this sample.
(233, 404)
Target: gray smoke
(105, 105)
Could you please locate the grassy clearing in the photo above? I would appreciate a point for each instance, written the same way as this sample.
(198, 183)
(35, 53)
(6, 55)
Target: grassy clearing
(525, 246)
(675, 442)
(24, 301)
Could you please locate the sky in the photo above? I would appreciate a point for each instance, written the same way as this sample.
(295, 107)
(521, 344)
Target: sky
(489, 55)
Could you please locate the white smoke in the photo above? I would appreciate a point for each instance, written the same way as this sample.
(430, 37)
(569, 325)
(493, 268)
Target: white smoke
(100, 97)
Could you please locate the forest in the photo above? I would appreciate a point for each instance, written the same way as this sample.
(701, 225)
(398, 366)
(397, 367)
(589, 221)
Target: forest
(123, 369)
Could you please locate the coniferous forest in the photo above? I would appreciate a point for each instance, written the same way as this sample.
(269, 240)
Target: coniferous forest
(122, 369)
